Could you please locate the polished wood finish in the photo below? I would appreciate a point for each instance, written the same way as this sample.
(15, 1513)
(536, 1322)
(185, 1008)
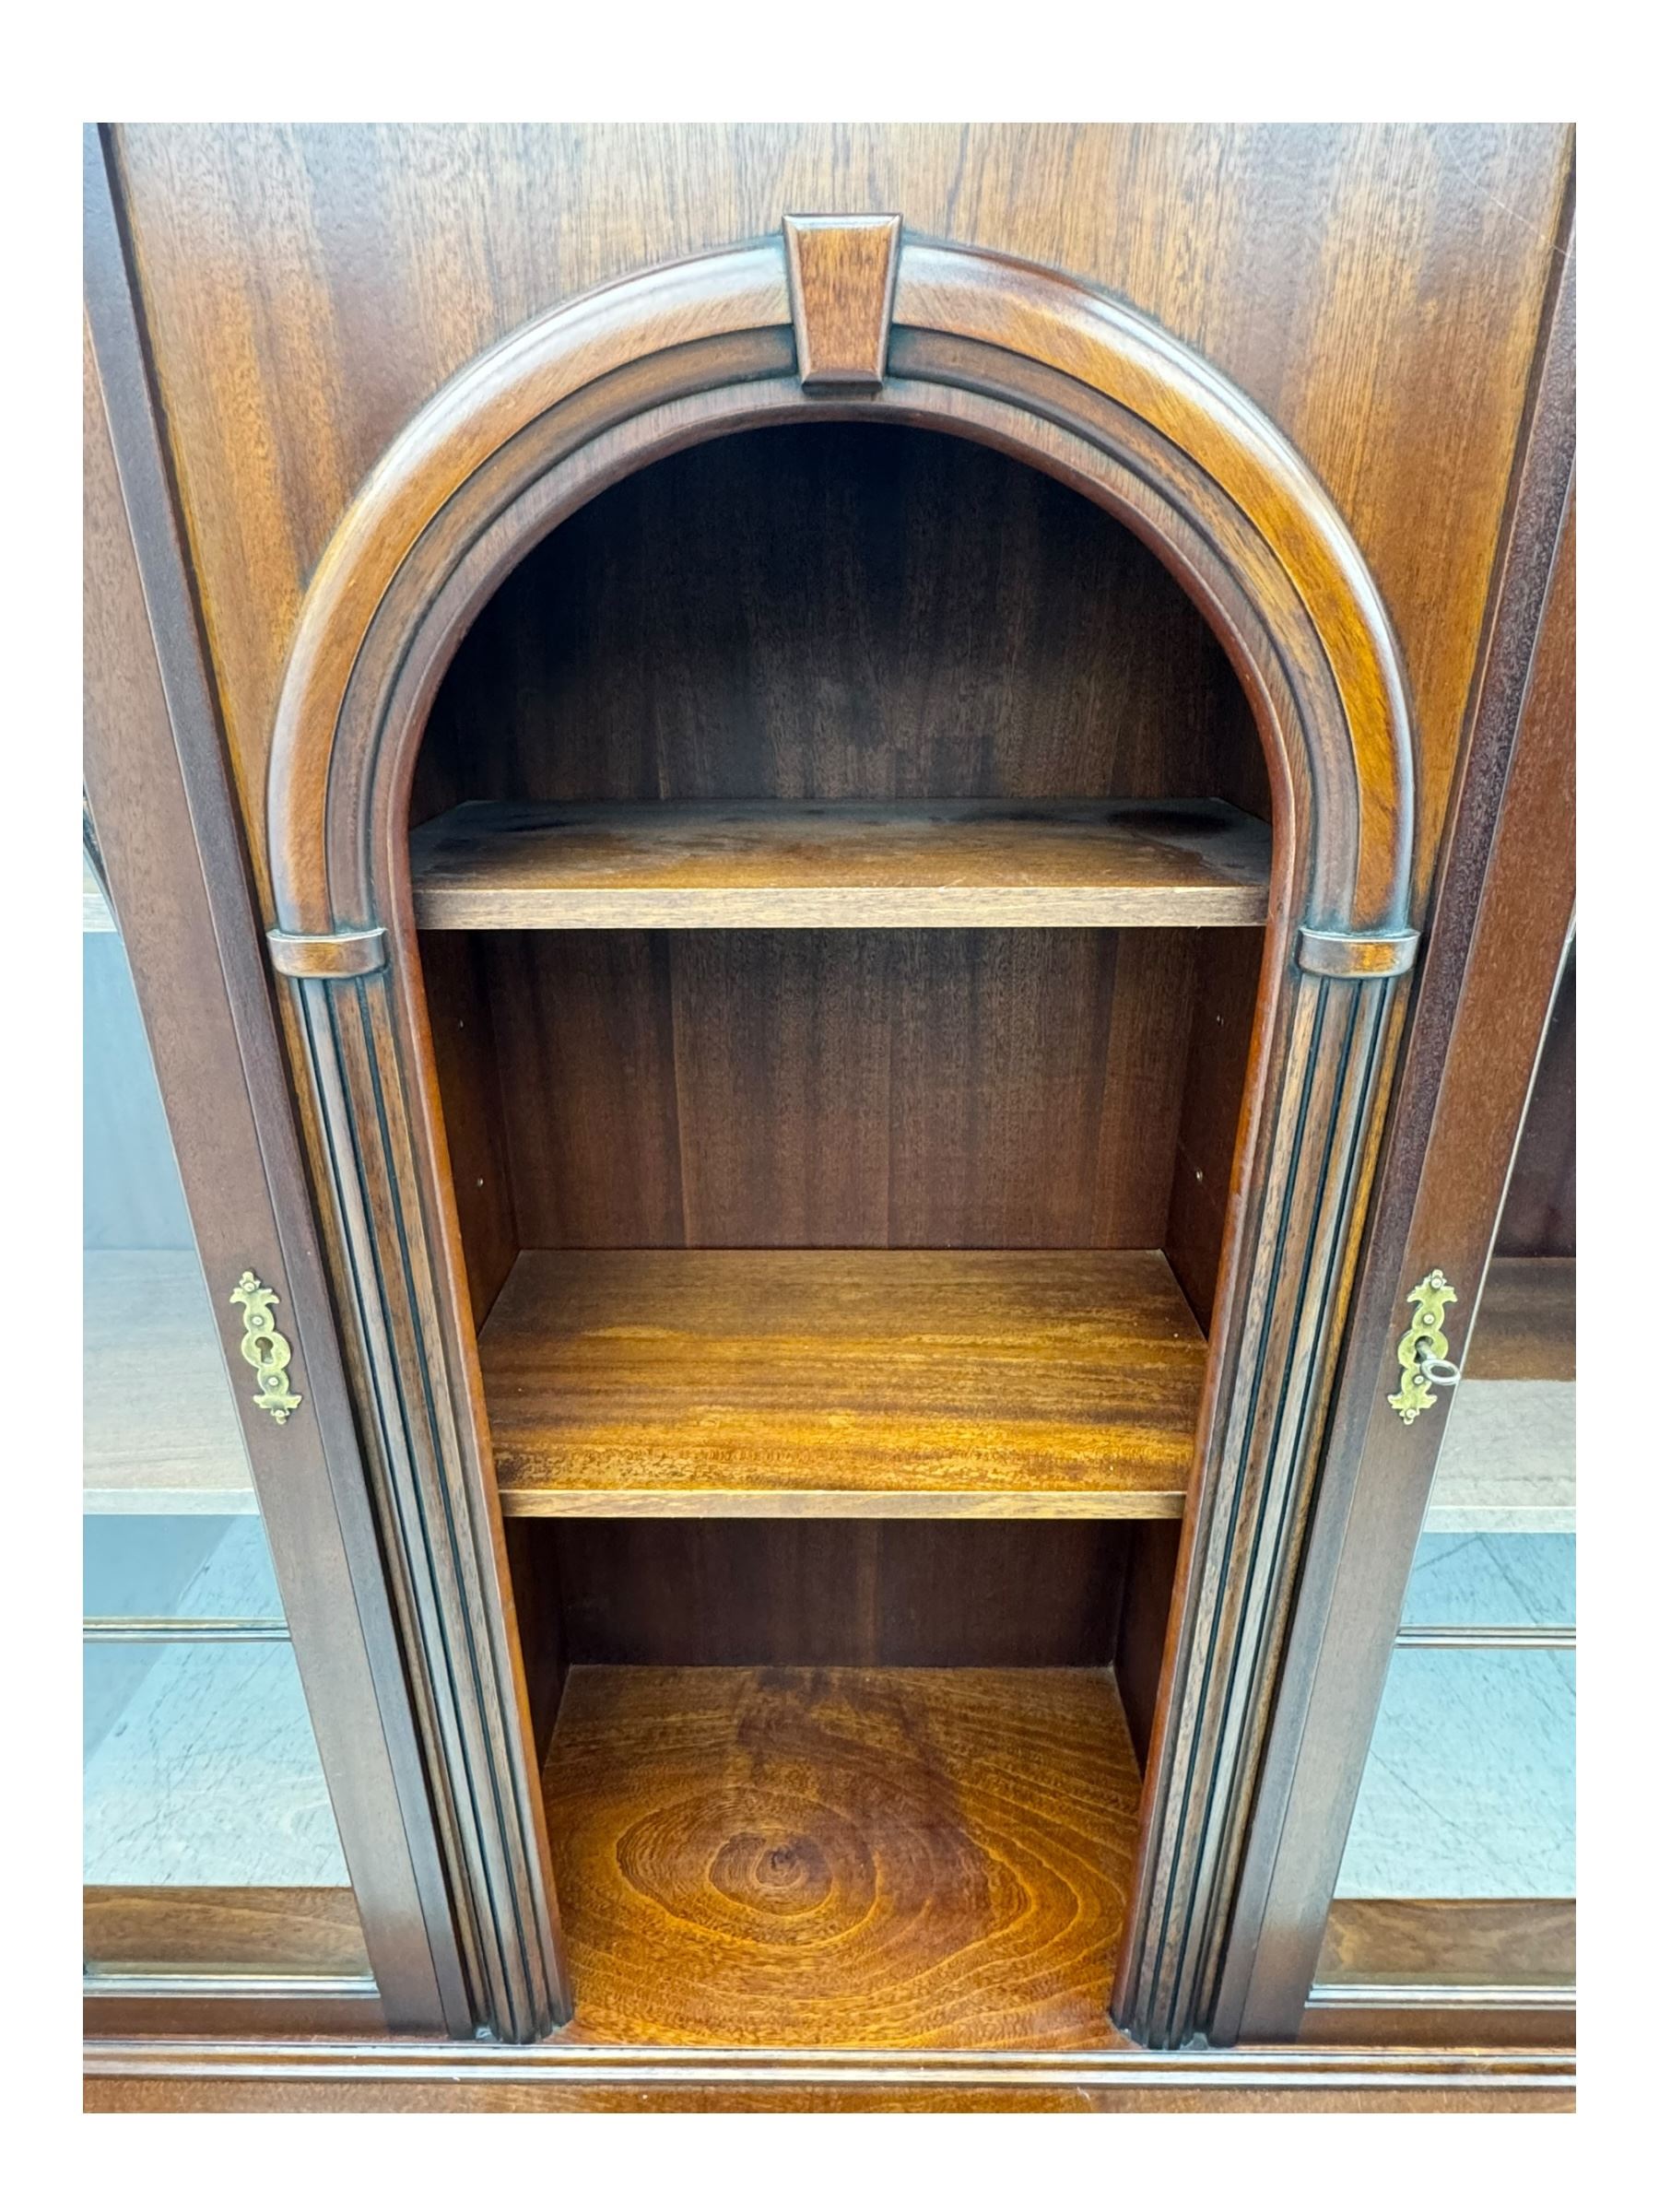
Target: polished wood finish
(1227, 975)
(1052, 372)
(793, 1592)
(829, 1856)
(805, 1087)
(816, 612)
(307, 288)
(1446, 1970)
(233, 2093)
(223, 1931)
(1502, 913)
(770, 863)
(1525, 1327)
(306, 293)
(1153, 1554)
(1441, 1940)
(172, 849)
(158, 1434)
(841, 273)
(481, 462)
(836, 1382)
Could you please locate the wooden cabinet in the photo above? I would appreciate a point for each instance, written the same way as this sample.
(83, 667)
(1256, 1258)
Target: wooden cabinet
(842, 792)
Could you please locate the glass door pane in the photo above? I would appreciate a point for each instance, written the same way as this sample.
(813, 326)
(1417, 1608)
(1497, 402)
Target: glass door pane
(210, 1840)
(1467, 1796)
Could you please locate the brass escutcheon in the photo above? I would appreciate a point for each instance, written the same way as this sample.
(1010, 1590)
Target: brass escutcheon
(1424, 1363)
(264, 1347)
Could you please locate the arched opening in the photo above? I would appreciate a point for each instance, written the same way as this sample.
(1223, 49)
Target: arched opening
(842, 1283)
(532, 439)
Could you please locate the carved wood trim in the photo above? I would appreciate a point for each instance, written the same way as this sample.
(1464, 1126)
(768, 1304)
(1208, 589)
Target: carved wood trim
(1293, 2066)
(841, 274)
(1085, 390)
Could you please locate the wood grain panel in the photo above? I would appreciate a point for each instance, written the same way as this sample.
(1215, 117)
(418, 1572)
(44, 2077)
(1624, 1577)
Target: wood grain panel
(1227, 965)
(942, 865)
(840, 290)
(127, 2093)
(935, 1383)
(796, 1593)
(818, 612)
(844, 1089)
(1153, 1552)
(467, 1056)
(840, 1856)
(308, 287)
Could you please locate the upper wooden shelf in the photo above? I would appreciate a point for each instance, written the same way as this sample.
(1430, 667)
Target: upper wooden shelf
(914, 1384)
(795, 865)
(160, 1429)
(1526, 1328)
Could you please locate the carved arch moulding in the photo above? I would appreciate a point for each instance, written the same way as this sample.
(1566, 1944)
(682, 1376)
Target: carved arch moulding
(839, 317)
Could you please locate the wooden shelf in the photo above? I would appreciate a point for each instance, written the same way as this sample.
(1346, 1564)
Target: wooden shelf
(1506, 1465)
(1526, 1328)
(831, 1857)
(788, 864)
(926, 1385)
(159, 1430)
(227, 1931)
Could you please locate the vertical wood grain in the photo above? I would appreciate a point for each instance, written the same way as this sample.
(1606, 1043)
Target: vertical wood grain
(308, 287)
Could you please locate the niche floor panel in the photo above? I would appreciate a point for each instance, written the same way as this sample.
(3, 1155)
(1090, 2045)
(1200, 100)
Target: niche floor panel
(903, 1857)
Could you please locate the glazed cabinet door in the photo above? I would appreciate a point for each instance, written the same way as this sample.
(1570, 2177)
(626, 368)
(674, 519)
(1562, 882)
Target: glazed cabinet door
(257, 1835)
(1457, 1874)
(1412, 1878)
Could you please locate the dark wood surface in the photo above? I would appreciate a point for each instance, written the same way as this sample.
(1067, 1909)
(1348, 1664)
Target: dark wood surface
(1023, 358)
(890, 1858)
(1227, 974)
(1503, 910)
(864, 1593)
(1540, 1208)
(1153, 1550)
(158, 789)
(904, 1088)
(843, 1382)
(223, 1931)
(267, 454)
(816, 612)
(1526, 1327)
(308, 287)
(769, 864)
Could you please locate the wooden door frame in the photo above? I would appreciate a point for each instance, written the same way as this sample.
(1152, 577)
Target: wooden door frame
(1071, 382)
(1501, 913)
(169, 835)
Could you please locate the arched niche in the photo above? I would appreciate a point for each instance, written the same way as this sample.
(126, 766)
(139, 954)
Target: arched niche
(848, 317)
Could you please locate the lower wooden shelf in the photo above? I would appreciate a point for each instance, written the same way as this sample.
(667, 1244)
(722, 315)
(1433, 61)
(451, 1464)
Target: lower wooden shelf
(166, 1930)
(836, 1857)
(871, 1383)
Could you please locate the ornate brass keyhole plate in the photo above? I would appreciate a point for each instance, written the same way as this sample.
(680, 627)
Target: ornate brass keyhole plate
(264, 1347)
(1423, 1350)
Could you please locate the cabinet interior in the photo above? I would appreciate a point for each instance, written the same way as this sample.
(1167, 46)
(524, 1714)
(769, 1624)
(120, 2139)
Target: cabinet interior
(841, 860)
